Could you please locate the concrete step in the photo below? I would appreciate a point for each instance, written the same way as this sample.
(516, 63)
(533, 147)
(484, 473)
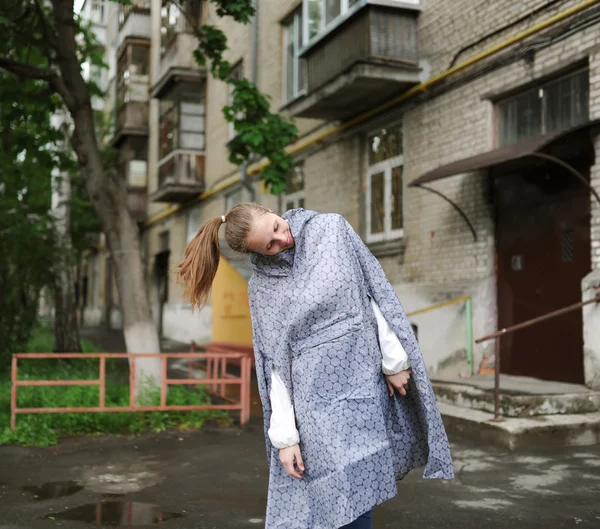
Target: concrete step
(520, 396)
(581, 429)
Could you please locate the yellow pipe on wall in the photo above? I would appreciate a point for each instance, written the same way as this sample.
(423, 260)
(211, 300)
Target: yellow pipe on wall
(300, 146)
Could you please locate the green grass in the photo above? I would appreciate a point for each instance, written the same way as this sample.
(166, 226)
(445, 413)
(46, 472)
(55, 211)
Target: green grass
(45, 429)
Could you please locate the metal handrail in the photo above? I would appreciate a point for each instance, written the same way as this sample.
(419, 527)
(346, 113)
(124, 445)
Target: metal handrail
(528, 323)
(469, 314)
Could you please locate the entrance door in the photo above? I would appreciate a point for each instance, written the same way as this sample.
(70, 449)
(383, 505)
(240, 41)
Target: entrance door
(543, 249)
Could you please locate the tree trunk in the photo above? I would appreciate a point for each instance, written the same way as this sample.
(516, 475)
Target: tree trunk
(109, 196)
(66, 326)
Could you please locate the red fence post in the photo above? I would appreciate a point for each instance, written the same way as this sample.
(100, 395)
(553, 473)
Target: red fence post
(163, 381)
(102, 381)
(223, 375)
(132, 382)
(13, 394)
(245, 390)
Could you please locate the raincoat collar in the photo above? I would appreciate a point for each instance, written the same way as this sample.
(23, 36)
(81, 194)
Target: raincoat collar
(281, 264)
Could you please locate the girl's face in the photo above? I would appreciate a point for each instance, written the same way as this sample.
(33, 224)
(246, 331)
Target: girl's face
(269, 235)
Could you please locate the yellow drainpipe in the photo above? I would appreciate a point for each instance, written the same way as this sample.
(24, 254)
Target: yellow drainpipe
(422, 87)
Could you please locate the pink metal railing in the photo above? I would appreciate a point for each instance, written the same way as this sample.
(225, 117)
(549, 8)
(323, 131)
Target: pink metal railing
(217, 378)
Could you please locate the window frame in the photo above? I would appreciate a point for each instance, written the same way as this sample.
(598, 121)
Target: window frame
(298, 195)
(347, 9)
(542, 89)
(124, 65)
(171, 30)
(299, 76)
(194, 215)
(175, 106)
(386, 167)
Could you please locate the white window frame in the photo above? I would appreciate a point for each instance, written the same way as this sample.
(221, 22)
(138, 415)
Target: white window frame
(295, 198)
(297, 195)
(193, 222)
(345, 11)
(298, 20)
(386, 168)
(233, 198)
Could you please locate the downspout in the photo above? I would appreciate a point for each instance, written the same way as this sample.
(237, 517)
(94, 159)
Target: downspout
(253, 75)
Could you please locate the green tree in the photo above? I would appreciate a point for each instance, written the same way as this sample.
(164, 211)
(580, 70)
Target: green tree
(50, 32)
(27, 235)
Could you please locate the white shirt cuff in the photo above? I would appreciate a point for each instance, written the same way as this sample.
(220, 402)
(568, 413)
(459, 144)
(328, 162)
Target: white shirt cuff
(393, 356)
(282, 429)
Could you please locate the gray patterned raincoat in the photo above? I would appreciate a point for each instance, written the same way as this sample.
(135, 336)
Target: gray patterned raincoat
(313, 321)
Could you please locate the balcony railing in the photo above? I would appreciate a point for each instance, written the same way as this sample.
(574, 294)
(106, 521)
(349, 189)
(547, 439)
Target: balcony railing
(134, 19)
(132, 116)
(367, 59)
(180, 177)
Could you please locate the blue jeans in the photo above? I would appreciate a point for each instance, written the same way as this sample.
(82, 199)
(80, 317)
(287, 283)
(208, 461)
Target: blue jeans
(362, 522)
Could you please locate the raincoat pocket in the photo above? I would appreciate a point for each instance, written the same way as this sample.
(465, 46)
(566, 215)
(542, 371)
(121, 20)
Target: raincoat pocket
(327, 331)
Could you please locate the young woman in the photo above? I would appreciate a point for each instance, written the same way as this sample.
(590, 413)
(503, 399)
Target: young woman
(343, 420)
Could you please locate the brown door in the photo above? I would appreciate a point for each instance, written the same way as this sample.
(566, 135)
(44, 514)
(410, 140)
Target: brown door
(543, 247)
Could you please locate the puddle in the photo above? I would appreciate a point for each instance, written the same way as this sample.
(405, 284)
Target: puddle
(57, 489)
(116, 514)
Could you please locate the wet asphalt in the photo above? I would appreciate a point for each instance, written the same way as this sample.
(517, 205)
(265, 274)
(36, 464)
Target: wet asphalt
(216, 478)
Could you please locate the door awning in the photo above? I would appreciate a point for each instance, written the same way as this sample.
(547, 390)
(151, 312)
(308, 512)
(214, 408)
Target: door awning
(535, 148)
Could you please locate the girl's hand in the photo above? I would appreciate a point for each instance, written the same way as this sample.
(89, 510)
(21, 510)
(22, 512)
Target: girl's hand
(291, 458)
(399, 382)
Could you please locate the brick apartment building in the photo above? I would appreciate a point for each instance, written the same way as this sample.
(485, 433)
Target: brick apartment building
(460, 139)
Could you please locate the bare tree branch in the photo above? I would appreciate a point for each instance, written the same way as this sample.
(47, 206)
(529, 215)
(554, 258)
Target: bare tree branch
(55, 81)
(24, 70)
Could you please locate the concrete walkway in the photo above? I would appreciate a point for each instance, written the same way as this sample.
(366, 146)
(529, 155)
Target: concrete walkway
(217, 479)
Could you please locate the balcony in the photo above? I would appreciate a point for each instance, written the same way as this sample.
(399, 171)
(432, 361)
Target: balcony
(369, 57)
(132, 120)
(134, 21)
(180, 178)
(137, 202)
(132, 90)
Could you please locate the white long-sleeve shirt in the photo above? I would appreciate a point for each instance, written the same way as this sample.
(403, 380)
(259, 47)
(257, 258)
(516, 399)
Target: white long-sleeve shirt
(282, 430)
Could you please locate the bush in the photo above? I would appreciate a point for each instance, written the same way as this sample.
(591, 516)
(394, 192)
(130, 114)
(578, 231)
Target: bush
(44, 429)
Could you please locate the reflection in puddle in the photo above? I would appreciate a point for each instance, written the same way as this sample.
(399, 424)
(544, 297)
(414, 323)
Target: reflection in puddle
(57, 489)
(116, 513)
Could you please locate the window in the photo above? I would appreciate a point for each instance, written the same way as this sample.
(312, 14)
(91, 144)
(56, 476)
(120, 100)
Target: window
(133, 164)
(136, 6)
(181, 125)
(193, 223)
(173, 21)
(320, 15)
(236, 74)
(170, 16)
(294, 194)
(98, 11)
(234, 198)
(133, 66)
(163, 241)
(554, 106)
(385, 185)
(294, 65)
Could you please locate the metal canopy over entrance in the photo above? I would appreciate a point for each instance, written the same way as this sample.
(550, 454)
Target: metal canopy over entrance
(555, 148)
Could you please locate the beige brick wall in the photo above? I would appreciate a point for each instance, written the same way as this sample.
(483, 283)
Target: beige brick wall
(445, 27)
(440, 259)
(269, 77)
(595, 170)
